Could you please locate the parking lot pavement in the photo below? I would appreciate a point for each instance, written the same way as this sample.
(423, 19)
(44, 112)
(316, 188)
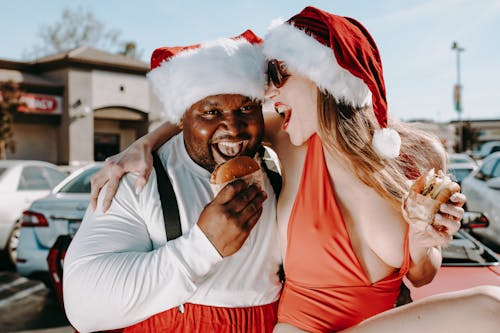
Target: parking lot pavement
(65, 329)
(14, 287)
(29, 306)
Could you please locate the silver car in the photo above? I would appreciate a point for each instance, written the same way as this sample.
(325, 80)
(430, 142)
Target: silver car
(21, 182)
(60, 213)
(482, 188)
(460, 166)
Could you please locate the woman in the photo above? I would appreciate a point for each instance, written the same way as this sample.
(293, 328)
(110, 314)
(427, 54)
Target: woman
(346, 244)
(347, 185)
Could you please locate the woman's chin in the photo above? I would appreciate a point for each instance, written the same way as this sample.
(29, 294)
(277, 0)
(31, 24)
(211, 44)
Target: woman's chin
(298, 140)
(295, 140)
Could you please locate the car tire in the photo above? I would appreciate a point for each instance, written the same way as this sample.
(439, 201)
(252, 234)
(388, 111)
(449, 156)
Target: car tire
(13, 243)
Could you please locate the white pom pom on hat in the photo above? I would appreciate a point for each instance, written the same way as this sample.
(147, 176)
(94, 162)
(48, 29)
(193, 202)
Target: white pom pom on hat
(386, 142)
(340, 56)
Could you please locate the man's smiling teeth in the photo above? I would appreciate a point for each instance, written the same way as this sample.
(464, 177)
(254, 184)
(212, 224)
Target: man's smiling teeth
(230, 149)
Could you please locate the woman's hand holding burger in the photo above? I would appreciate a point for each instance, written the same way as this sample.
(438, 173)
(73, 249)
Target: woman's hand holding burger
(433, 208)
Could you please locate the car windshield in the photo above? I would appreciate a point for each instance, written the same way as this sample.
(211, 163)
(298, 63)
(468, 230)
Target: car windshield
(459, 160)
(463, 251)
(81, 183)
(459, 174)
(489, 148)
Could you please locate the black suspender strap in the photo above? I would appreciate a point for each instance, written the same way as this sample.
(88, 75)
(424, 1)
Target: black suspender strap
(168, 200)
(274, 177)
(276, 182)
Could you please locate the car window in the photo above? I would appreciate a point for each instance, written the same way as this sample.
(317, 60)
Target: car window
(54, 176)
(32, 178)
(495, 149)
(487, 169)
(458, 160)
(496, 170)
(459, 174)
(489, 147)
(81, 183)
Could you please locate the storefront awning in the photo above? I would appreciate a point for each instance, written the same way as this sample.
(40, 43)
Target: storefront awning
(119, 114)
(27, 78)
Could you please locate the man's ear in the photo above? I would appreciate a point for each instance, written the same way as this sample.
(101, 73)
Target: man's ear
(180, 123)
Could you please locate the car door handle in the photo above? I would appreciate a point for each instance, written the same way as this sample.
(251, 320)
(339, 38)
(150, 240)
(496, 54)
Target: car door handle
(81, 207)
(65, 218)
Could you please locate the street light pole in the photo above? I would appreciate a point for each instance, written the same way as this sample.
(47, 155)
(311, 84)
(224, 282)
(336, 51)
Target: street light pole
(457, 94)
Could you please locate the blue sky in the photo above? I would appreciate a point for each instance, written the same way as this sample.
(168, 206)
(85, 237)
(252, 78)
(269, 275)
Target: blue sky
(414, 38)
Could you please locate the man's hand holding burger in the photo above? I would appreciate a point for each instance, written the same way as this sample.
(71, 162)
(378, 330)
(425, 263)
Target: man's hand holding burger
(228, 220)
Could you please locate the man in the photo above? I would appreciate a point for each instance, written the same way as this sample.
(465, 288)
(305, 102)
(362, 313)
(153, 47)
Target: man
(222, 273)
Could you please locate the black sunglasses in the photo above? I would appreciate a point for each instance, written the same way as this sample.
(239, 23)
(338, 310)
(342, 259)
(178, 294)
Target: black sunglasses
(277, 73)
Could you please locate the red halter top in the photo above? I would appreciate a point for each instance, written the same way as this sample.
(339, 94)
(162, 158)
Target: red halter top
(326, 288)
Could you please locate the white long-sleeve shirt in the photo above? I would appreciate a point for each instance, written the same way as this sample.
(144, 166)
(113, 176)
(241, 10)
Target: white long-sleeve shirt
(120, 270)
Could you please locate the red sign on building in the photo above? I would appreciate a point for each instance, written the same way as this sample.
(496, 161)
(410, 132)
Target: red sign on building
(36, 103)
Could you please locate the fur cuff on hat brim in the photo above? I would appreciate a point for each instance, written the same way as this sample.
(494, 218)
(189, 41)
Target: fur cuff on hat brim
(305, 55)
(224, 66)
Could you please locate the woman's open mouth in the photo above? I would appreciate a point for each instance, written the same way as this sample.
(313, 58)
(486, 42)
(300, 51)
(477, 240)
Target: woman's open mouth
(285, 112)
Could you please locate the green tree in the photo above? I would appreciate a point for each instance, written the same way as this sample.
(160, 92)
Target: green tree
(9, 102)
(75, 28)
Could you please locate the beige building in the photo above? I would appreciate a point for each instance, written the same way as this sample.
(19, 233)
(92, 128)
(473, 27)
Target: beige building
(80, 106)
(449, 133)
(85, 104)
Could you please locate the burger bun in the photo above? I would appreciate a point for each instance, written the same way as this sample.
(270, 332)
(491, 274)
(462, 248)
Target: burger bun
(240, 167)
(426, 195)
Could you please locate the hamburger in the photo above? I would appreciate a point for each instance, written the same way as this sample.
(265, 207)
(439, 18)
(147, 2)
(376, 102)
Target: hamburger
(243, 167)
(436, 186)
(426, 196)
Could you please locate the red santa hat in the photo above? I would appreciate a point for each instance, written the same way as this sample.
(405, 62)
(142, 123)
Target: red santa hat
(340, 56)
(181, 76)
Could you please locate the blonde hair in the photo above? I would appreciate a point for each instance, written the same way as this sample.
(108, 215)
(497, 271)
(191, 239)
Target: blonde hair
(349, 130)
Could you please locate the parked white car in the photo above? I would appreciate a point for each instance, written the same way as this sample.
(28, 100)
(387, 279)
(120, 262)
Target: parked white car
(21, 182)
(482, 188)
(461, 165)
(487, 148)
(59, 213)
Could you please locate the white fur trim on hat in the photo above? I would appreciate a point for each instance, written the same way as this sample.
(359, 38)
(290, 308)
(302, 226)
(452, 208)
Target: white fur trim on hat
(386, 142)
(308, 57)
(224, 66)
